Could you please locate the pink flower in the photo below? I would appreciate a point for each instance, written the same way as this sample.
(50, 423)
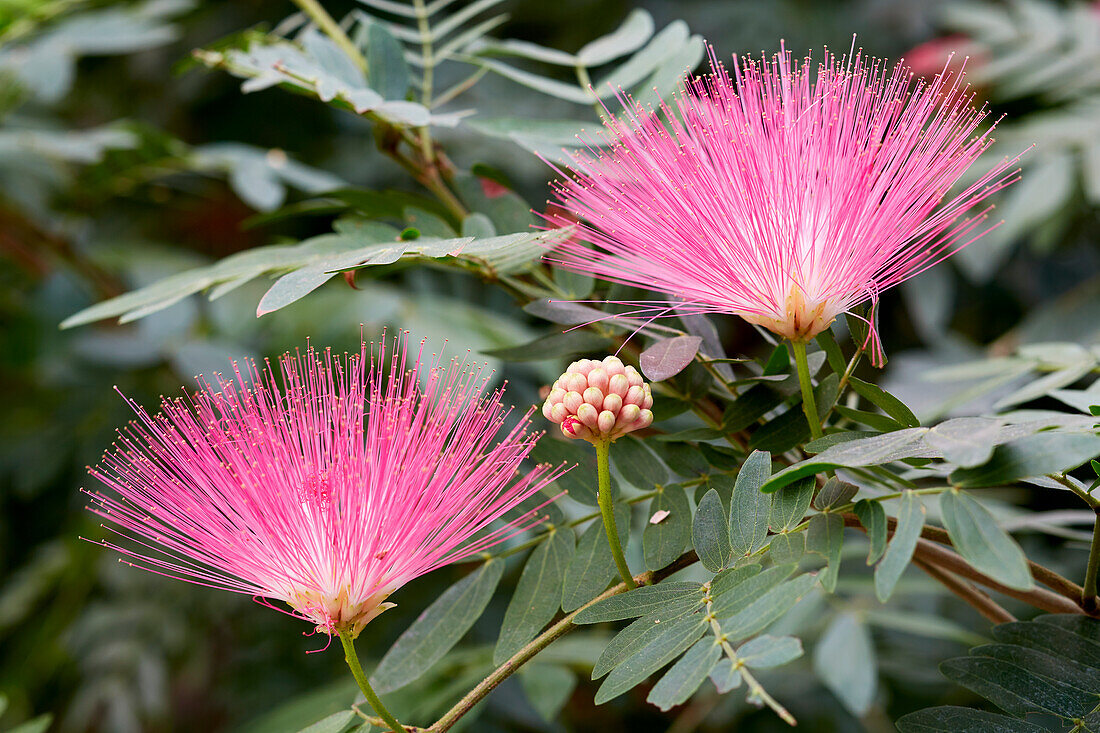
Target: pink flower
(786, 195)
(327, 489)
(599, 400)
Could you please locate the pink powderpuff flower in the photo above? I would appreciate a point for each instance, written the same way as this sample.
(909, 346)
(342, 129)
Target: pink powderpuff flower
(327, 489)
(786, 195)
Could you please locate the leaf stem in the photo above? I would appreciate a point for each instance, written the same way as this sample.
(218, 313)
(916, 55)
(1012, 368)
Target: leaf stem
(368, 692)
(1088, 594)
(809, 405)
(603, 497)
(332, 29)
(755, 688)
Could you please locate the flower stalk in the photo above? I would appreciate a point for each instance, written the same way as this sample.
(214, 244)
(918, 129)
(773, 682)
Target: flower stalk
(603, 497)
(364, 684)
(809, 404)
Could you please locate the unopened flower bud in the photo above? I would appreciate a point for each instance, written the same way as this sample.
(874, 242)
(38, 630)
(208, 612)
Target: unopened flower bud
(599, 400)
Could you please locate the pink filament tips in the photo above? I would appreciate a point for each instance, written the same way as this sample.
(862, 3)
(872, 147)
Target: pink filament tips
(327, 487)
(599, 400)
(787, 194)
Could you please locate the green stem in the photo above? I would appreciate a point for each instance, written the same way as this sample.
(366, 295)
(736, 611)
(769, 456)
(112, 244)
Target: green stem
(332, 29)
(368, 692)
(603, 497)
(1088, 595)
(809, 405)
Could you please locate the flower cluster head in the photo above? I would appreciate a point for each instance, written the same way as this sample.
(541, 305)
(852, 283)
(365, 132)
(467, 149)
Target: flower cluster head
(327, 487)
(787, 194)
(599, 400)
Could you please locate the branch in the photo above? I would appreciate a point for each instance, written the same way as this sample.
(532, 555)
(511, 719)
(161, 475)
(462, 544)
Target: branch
(977, 598)
(940, 556)
(1067, 598)
(543, 640)
(1046, 576)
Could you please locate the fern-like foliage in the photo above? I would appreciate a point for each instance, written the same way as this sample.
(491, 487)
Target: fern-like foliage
(1045, 674)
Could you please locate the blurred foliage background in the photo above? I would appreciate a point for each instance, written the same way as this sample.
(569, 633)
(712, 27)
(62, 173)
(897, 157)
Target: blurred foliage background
(122, 162)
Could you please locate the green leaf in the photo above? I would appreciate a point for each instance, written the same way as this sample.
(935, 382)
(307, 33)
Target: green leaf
(549, 132)
(835, 493)
(579, 481)
(666, 535)
(981, 541)
(1077, 676)
(900, 550)
(787, 548)
(668, 357)
(673, 639)
(825, 536)
(1033, 455)
(1065, 637)
(389, 73)
(790, 503)
(882, 423)
(437, 629)
(1018, 690)
(553, 346)
(725, 581)
(685, 460)
(683, 678)
(791, 429)
(725, 676)
(630, 36)
(527, 50)
(833, 354)
(767, 608)
(551, 87)
(636, 637)
(592, 567)
(660, 49)
(844, 660)
(667, 600)
(574, 285)
(538, 594)
(637, 463)
(765, 652)
(873, 451)
(710, 533)
(779, 362)
(335, 723)
(873, 518)
(750, 406)
(672, 69)
(749, 507)
(889, 404)
(965, 441)
(954, 719)
(35, 725)
(748, 582)
(548, 687)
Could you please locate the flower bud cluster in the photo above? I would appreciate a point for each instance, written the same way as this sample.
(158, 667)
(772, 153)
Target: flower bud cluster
(599, 400)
